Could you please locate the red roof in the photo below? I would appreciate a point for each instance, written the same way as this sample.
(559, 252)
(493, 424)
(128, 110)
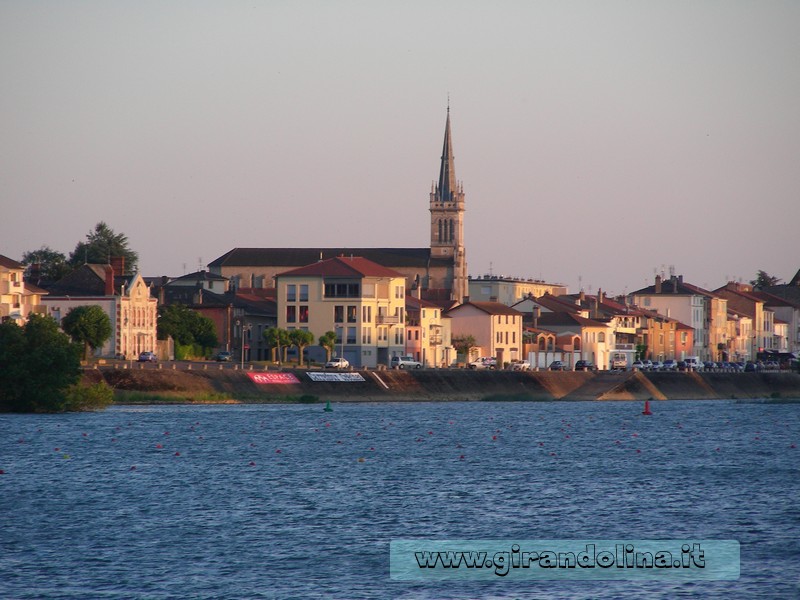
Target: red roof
(343, 266)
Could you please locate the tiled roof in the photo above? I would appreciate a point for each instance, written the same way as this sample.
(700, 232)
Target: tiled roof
(9, 263)
(491, 308)
(343, 266)
(299, 257)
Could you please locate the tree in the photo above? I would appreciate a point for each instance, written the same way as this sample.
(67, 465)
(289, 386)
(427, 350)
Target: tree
(52, 264)
(301, 339)
(87, 325)
(328, 341)
(193, 332)
(464, 344)
(38, 365)
(101, 245)
(277, 339)
(764, 280)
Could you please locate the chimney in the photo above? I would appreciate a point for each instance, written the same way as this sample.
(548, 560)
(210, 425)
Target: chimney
(118, 264)
(109, 289)
(582, 297)
(680, 279)
(658, 284)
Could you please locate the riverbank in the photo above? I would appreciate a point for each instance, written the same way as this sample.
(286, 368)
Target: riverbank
(147, 386)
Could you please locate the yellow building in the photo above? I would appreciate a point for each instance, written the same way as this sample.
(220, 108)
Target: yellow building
(18, 299)
(361, 301)
(428, 337)
(497, 329)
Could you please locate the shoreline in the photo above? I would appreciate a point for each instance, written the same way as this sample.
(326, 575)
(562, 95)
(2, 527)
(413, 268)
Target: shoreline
(167, 386)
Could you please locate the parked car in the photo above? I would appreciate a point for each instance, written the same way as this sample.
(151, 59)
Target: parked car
(585, 365)
(693, 363)
(657, 365)
(405, 362)
(637, 364)
(148, 357)
(557, 365)
(337, 363)
(520, 365)
(224, 357)
(647, 365)
(483, 362)
(669, 365)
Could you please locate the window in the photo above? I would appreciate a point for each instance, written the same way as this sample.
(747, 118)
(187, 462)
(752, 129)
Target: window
(351, 335)
(342, 290)
(601, 337)
(291, 314)
(303, 314)
(303, 292)
(366, 335)
(338, 314)
(398, 292)
(291, 293)
(352, 314)
(366, 314)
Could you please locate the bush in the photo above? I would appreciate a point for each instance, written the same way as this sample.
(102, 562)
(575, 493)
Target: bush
(89, 397)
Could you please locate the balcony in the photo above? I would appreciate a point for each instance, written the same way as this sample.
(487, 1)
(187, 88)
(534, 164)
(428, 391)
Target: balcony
(388, 320)
(435, 340)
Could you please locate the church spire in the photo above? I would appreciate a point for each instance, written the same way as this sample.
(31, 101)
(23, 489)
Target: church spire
(447, 171)
(447, 220)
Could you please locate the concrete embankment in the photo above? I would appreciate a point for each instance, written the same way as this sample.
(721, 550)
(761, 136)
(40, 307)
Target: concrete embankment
(432, 385)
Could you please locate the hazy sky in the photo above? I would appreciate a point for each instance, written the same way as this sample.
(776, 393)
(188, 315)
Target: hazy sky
(597, 142)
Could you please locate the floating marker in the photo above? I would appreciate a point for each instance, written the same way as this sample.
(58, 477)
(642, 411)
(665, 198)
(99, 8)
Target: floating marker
(328, 407)
(646, 410)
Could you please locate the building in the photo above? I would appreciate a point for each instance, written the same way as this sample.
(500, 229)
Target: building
(703, 311)
(361, 301)
(428, 337)
(741, 299)
(497, 329)
(437, 273)
(125, 299)
(18, 298)
(510, 290)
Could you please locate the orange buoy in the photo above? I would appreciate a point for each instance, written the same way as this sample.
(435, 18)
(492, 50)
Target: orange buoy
(646, 410)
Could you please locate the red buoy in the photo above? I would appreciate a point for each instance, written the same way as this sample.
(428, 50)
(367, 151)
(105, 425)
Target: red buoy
(646, 410)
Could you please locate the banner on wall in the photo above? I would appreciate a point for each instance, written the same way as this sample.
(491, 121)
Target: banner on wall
(345, 377)
(277, 378)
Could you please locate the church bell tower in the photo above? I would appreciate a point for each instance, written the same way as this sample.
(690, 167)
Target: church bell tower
(447, 218)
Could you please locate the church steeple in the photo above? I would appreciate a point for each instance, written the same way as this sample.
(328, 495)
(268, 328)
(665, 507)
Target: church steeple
(447, 171)
(447, 217)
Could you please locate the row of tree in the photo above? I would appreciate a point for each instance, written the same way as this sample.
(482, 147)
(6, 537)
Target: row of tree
(279, 341)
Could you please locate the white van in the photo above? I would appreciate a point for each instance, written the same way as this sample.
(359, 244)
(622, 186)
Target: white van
(693, 363)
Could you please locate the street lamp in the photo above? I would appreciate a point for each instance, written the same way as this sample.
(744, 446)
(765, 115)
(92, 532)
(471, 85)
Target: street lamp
(341, 327)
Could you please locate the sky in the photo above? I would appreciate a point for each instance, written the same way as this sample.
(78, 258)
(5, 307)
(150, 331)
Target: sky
(598, 143)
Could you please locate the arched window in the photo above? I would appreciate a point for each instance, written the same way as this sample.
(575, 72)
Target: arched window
(440, 230)
(542, 343)
(576, 343)
(601, 337)
(452, 232)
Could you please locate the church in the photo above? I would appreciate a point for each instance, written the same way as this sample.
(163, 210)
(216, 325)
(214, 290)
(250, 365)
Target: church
(437, 273)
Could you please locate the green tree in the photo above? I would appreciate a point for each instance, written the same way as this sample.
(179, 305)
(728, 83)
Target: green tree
(38, 365)
(278, 341)
(192, 331)
(87, 325)
(464, 345)
(301, 339)
(101, 245)
(764, 280)
(52, 264)
(328, 341)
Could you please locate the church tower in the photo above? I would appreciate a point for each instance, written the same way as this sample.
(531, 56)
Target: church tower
(447, 219)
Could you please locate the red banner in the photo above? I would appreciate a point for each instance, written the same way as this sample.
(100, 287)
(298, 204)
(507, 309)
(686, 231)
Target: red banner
(278, 378)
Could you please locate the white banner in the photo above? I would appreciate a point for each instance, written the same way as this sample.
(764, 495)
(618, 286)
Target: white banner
(347, 377)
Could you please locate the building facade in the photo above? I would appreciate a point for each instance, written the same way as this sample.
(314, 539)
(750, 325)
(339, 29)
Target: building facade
(18, 298)
(359, 300)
